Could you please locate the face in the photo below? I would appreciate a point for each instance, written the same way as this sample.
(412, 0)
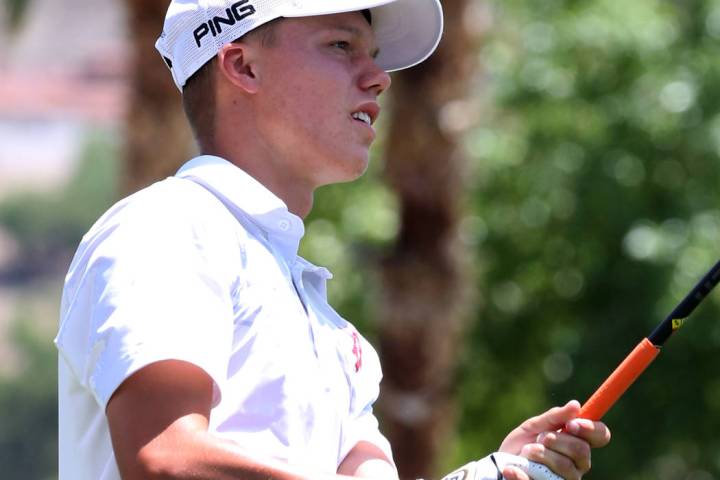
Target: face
(317, 98)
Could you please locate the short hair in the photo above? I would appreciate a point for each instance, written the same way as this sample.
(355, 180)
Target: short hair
(198, 95)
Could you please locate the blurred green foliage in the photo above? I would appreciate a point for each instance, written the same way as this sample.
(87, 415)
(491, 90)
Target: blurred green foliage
(28, 406)
(50, 222)
(48, 226)
(596, 207)
(593, 177)
(16, 11)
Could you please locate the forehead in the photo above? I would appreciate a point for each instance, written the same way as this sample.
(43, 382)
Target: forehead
(351, 22)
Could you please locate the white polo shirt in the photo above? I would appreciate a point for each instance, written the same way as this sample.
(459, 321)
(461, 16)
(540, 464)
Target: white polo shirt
(203, 267)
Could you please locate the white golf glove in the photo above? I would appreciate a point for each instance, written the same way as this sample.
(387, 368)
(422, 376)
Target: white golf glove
(490, 468)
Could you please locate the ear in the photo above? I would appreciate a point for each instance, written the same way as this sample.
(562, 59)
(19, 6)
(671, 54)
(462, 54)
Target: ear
(237, 66)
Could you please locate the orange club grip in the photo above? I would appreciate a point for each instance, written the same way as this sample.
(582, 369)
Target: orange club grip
(619, 381)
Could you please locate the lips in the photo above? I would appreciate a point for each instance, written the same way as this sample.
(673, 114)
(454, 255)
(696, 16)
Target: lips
(366, 112)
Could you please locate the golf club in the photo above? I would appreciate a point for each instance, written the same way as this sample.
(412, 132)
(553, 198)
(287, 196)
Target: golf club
(645, 352)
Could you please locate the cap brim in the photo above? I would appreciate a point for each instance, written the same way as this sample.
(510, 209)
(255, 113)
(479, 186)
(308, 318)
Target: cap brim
(407, 31)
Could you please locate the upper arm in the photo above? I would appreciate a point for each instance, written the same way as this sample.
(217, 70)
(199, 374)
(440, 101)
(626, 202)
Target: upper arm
(154, 415)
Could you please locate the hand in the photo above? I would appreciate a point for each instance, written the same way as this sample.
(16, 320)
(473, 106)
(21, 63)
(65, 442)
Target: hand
(565, 452)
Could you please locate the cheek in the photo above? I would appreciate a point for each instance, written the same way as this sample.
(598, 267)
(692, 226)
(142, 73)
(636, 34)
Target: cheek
(307, 108)
(316, 112)
(322, 86)
(306, 97)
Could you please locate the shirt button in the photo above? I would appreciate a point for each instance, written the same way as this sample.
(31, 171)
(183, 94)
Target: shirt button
(284, 225)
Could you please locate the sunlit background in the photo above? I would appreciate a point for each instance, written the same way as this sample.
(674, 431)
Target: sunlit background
(591, 205)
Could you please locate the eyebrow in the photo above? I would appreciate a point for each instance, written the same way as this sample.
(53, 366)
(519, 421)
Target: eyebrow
(358, 33)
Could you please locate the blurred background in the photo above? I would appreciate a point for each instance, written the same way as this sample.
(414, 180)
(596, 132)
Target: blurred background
(547, 187)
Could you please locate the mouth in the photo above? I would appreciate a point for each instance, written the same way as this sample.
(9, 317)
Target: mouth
(363, 117)
(367, 113)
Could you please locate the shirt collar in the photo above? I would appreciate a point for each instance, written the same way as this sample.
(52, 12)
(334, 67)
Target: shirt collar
(246, 197)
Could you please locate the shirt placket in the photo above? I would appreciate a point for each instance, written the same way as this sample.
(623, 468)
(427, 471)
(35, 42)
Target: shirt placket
(296, 278)
(323, 342)
(327, 360)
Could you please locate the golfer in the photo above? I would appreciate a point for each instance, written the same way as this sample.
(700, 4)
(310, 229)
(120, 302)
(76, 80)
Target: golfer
(194, 342)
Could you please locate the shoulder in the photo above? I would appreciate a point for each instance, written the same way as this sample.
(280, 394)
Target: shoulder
(170, 222)
(174, 210)
(171, 200)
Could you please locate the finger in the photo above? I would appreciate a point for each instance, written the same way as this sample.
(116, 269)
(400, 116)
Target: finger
(597, 434)
(558, 463)
(553, 419)
(514, 473)
(574, 448)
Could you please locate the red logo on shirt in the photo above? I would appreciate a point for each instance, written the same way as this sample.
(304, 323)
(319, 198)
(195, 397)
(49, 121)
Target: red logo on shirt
(357, 351)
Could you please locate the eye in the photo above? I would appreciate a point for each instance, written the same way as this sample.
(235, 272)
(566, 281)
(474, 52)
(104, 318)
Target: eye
(341, 44)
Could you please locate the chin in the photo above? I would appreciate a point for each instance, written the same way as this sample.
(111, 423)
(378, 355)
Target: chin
(358, 168)
(348, 169)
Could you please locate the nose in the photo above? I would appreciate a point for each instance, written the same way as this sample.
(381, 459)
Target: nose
(374, 78)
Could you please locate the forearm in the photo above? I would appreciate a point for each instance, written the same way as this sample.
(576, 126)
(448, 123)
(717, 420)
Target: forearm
(156, 439)
(203, 455)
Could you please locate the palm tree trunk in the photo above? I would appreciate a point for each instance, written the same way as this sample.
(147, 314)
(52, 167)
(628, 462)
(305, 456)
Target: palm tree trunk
(158, 139)
(424, 288)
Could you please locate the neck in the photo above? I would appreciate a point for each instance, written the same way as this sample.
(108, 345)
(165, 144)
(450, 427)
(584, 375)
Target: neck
(297, 195)
(238, 139)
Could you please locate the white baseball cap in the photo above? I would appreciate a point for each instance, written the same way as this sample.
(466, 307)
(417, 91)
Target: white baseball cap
(406, 31)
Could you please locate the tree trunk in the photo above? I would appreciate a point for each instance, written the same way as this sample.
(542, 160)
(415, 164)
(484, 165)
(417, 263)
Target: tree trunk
(157, 139)
(424, 289)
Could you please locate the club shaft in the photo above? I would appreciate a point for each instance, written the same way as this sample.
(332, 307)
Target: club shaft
(675, 320)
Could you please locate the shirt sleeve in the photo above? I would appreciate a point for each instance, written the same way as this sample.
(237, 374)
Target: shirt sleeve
(362, 425)
(365, 428)
(145, 287)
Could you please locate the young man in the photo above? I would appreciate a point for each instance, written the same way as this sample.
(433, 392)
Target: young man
(194, 342)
